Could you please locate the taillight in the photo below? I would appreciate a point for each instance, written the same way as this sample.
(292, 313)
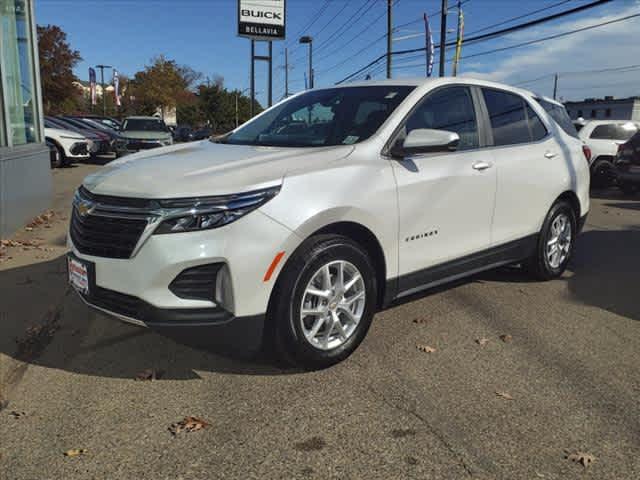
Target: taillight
(587, 152)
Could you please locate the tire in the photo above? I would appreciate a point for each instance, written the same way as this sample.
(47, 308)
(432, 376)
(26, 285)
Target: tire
(541, 265)
(602, 173)
(629, 188)
(58, 158)
(293, 337)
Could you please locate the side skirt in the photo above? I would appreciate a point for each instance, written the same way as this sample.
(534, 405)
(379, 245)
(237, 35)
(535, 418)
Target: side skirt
(493, 257)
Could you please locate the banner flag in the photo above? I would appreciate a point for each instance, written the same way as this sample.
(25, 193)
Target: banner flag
(429, 49)
(456, 58)
(92, 85)
(116, 86)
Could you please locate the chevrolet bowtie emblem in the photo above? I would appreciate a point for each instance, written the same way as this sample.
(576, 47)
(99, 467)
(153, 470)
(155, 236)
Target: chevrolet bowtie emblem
(84, 208)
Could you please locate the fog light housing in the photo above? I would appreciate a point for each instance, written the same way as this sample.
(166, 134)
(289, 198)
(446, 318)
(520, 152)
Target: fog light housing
(224, 290)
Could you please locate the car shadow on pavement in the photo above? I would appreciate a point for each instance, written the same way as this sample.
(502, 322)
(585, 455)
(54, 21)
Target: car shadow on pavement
(624, 205)
(605, 269)
(44, 322)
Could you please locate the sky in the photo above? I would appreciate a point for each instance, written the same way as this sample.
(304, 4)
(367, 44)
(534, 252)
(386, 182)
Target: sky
(348, 34)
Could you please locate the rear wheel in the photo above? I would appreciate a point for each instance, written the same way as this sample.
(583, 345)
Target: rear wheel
(602, 173)
(324, 302)
(555, 242)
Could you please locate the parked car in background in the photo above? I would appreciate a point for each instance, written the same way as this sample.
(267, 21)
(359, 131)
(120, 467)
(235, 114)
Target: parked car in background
(143, 133)
(627, 165)
(98, 142)
(65, 146)
(115, 139)
(106, 121)
(183, 133)
(105, 147)
(603, 138)
(297, 226)
(202, 133)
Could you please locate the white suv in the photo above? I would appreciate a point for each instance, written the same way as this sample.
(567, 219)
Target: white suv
(297, 226)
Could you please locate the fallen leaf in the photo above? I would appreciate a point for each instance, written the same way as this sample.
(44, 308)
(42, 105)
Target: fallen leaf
(74, 452)
(188, 424)
(425, 348)
(29, 229)
(482, 341)
(504, 395)
(506, 338)
(17, 415)
(585, 459)
(420, 320)
(149, 374)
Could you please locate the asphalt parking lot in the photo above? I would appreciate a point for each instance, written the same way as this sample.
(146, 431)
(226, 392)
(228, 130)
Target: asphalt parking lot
(562, 379)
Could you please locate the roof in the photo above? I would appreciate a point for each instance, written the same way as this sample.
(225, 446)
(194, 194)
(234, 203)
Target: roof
(419, 82)
(142, 117)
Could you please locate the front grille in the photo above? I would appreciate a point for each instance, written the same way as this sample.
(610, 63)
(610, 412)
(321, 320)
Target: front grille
(110, 200)
(196, 283)
(79, 148)
(102, 236)
(142, 144)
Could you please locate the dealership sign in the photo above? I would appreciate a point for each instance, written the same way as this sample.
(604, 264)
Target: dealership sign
(261, 19)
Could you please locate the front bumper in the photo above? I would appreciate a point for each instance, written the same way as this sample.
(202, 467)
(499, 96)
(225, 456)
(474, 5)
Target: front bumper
(214, 323)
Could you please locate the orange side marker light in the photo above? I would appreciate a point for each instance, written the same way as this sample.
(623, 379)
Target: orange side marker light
(272, 267)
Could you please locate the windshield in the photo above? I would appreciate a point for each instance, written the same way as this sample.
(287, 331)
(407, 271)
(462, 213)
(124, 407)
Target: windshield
(144, 125)
(336, 116)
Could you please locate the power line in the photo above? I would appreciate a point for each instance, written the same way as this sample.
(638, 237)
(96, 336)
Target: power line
(551, 37)
(622, 69)
(490, 35)
(313, 20)
(509, 20)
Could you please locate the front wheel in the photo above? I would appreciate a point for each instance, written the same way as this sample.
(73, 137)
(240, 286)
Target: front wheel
(324, 302)
(555, 243)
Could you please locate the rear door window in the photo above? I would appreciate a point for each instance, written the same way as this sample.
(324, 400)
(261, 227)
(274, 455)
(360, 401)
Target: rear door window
(508, 117)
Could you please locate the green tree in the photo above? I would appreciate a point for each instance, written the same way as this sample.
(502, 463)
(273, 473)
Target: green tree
(162, 85)
(57, 60)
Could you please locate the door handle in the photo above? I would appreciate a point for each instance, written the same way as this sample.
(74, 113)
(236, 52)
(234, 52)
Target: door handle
(481, 166)
(550, 154)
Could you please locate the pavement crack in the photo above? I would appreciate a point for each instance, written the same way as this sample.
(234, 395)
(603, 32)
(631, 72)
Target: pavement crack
(432, 430)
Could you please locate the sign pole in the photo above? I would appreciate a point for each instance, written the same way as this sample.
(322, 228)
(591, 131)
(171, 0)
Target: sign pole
(253, 75)
(270, 86)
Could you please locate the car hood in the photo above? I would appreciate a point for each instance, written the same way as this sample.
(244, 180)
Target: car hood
(206, 168)
(59, 132)
(145, 135)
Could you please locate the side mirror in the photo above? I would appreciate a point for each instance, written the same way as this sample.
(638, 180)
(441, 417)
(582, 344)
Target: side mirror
(425, 140)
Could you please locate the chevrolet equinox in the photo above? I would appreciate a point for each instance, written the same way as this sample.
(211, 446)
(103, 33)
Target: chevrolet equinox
(297, 226)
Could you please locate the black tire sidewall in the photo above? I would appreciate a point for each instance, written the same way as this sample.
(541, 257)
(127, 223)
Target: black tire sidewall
(298, 272)
(546, 270)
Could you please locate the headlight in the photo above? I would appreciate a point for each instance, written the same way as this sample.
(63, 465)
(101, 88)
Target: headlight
(204, 213)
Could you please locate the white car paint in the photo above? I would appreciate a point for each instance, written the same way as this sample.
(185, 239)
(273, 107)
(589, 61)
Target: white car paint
(66, 139)
(602, 147)
(470, 209)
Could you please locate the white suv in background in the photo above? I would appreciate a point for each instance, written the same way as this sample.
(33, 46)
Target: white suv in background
(603, 137)
(297, 226)
(66, 146)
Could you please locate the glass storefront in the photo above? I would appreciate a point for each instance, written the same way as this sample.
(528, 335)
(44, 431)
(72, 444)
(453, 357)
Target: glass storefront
(20, 97)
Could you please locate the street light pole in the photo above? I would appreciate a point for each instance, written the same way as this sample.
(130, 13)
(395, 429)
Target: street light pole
(307, 39)
(104, 98)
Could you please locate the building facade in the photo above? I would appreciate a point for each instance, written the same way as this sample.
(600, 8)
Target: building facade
(607, 108)
(25, 173)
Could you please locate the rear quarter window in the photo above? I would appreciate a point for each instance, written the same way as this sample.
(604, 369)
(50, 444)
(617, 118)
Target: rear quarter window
(561, 117)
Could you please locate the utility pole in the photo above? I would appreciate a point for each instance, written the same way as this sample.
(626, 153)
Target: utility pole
(309, 41)
(104, 96)
(555, 86)
(286, 73)
(389, 36)
(443, 35)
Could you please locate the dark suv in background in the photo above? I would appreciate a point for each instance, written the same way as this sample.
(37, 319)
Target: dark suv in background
(627, 164)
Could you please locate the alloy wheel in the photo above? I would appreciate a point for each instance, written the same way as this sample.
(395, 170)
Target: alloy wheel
(332, 305)
(559, 240)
